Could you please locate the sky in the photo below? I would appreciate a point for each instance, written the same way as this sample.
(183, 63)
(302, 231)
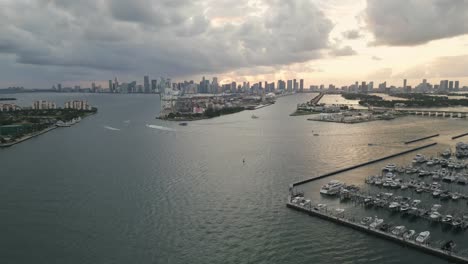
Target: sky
(45, 42)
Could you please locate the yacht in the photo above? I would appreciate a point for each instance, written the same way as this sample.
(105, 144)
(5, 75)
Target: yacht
(423, 237)
(456, 196)
(377, 222)
(462, 180)
(331, 188)
(409, 234)
(435, 207)
(60, 123)
(436, 193)
(404, 207)
(457, 222)
(398, 230)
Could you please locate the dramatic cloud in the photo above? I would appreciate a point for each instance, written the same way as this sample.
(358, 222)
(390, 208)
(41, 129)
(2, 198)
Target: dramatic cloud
(381, 74)
(352, 34)
(164, 37)
(442, 67)
(414, 22)
(344, 51)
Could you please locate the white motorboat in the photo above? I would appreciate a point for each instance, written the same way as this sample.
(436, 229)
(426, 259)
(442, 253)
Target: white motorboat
(435, 216)
(415, 203)
(419, 159)
(394, 205)
(447, 219)
(423, 237)
(377, 222)
(331, 188)
(389, 168)
(398, 230)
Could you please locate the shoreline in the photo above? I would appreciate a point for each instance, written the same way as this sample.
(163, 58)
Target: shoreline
(35, 134)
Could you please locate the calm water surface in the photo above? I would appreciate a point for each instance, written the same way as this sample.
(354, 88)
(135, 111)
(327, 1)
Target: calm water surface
(123, 187)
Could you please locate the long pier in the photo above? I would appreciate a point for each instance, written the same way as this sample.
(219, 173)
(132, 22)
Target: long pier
(317, 99)
(420, 139)
(361, 165)
(459, 136)
(447, 255)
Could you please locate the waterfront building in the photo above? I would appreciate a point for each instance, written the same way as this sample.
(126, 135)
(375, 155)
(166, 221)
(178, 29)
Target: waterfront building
(77, 105)
(9, 107)
(301, 85)
(43, 105)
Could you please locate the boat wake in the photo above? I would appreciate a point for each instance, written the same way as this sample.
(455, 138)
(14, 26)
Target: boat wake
(112, 128)
(160, 127)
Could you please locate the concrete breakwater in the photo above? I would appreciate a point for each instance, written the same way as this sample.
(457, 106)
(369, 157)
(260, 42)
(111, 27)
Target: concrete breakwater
(361, 165)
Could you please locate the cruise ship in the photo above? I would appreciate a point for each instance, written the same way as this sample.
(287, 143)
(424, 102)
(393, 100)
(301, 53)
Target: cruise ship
(331, 188)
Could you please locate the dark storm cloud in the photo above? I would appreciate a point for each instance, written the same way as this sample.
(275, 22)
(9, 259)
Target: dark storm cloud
(413, 22)
(166, 37)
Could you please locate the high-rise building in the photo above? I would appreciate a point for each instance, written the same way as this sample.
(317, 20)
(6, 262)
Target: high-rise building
(363, 87)
(296, 85)
(146, 84)
(450, 86)
(59, 87)
(281, 85)
(290, 85)
(404, 84)
(301, 85)
(457, 85)
(110, 86)
(154, 86)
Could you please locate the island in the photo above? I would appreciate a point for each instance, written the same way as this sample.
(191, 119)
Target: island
(175, 107)
(18, 124)
(7, 99)
(407, 100)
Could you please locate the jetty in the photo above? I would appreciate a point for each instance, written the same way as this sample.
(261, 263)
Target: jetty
(340, 219)
(317, 98)
(361, 165)
(420, 139)
(459, 136)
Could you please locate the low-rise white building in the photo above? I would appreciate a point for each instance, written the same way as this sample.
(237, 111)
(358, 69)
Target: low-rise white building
(77, 105)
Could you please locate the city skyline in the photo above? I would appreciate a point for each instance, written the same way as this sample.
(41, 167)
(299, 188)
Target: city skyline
(336, 41)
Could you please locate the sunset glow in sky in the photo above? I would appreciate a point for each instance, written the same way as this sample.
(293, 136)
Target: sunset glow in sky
(44, 42)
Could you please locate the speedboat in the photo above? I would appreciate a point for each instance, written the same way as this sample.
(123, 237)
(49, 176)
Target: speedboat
(423, 237)
(436, 193)
(419, 159)
(394, 205)
(435, 207)
(331, 188)
(435, 216)
(447, 219)
(408, 234)
(366, 221)
(404, 186)
(444, 195)
(398, 230)
(377, 222)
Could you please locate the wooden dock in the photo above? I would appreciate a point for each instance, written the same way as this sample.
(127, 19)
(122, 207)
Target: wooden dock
(420, 139)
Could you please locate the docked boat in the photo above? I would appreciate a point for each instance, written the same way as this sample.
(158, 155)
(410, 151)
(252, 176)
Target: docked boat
(419, 159)
(436, 193)
(444, 195)
(462, 180)
(331, 188)
(435, 216)
(367, 220)
(376, 223)
(415, 203)
(447, 219)
(446, 154)
(457, 222)
(449, 178)
(399, 230)
(435, 207)
(404, 186)
(408, 234)
(394, 206)
(404, 208)
(455, 196)
(449, 246)
(254, 117)
(60, 123)
(423, 237)
(389, 168)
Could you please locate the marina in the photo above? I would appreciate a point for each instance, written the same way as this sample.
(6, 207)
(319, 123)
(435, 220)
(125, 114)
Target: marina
(428, 193)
